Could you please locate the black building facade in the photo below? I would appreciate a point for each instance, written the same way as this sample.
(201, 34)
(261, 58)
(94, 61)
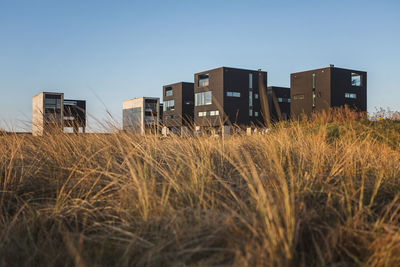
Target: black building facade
(75, 114)
(225, 96)
(279, 103)
(321, 89)
(178, 106)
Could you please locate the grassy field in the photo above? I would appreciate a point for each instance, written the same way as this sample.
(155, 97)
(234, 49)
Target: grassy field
(317, 192)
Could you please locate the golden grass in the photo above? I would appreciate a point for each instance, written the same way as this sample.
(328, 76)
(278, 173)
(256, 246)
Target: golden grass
(320, 192)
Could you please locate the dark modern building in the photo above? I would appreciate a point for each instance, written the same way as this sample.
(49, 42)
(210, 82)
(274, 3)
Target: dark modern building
(279, 103)
(321, 89)
(178, 106)
(225, 96)
(75, 114)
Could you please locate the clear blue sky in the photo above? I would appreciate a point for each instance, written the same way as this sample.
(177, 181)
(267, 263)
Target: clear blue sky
(109, 51)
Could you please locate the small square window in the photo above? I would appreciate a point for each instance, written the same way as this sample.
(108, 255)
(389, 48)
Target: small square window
(168, 91)
(350, 95)
(355, 79)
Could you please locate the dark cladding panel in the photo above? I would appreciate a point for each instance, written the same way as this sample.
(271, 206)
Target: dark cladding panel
(282, 97)
(215, 85)
(182, 96)
(74, 113)
(349, 87)
(321, 89)
(235, 97)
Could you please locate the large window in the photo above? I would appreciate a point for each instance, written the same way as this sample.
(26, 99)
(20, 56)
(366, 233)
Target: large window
(203, 80)
(233, 94)
(250, 98)
(169, 105)
(350, 95)
(168, 91)
(52, 101)
(150, 106)
(132, 118)
(355, 79)
(202, 99)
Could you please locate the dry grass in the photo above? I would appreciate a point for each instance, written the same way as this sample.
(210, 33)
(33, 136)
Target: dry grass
(320, 192)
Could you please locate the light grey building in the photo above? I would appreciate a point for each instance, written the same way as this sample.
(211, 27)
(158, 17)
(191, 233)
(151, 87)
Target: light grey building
(47, 113)
(141, 115)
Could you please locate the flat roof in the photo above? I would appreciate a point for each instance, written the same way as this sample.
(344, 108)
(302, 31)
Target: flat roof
(53, 93)
(142, 97)
(326, 68)
(171, 84)
(231, 68)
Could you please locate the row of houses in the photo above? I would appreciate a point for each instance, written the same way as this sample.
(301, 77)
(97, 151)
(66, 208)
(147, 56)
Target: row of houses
(216, 100)
(222, 97)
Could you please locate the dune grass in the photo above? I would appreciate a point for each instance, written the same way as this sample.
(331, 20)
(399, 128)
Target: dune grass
(317, 192)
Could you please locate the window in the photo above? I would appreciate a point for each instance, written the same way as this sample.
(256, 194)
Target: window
(168, 91)
(150, 105)
(52, 101)
(169, 105)
(350, 95)
(203, 80)
(250, 98)
(202, 99)
(250, 112)
(131, 117)
(202, 113)
(355, 79)
(313, 80)
(298, 97)
(70, 102)
(214, 113)
(149, 118)
(255, 96)
(250, 80)
(256, 113)
(283, 100)
(313, 99)
(233, 94)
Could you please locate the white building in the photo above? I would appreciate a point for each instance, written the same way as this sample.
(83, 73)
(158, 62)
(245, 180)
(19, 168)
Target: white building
(47, 113)
(141, 115)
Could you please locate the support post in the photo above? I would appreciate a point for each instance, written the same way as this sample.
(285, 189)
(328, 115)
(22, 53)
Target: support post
(226, 131)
